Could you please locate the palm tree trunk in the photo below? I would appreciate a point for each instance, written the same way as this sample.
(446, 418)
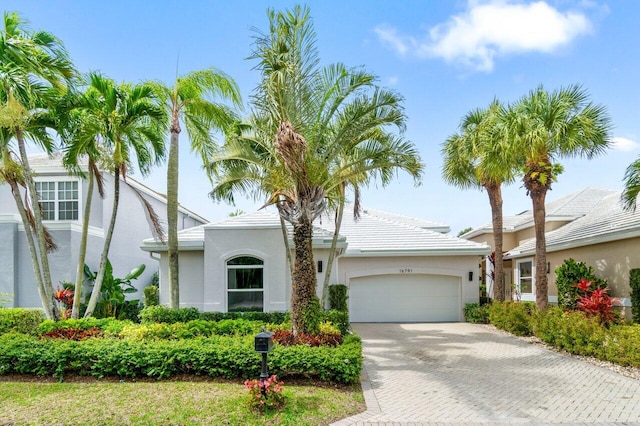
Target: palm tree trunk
(172, 214)
(495, 199)
(97, 285)
(47, 302)
(75, 311)
(287, 247)
(539, 214)
(303, 286)
(332, 252)
(42, 245)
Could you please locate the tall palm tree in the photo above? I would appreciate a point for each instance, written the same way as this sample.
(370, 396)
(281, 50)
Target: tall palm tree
(130, 123)
(547, 126)
(34, 70)
(480, 157)
(330, 125)
(631, 186)
(195, 99)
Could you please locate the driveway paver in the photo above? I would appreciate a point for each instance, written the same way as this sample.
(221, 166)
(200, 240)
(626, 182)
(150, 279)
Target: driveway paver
(460, 373)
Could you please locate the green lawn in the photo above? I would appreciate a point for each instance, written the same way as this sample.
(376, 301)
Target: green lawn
(167, 402)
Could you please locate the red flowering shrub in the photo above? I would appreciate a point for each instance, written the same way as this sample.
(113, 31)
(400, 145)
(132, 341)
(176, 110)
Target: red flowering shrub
(265, 394)
(65, 299)
(596, 302)
(74, 333)
(286, 338)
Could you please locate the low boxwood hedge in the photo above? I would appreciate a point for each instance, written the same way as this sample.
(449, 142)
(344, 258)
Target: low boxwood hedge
(20, 320)
(216, 356)
(163, 314)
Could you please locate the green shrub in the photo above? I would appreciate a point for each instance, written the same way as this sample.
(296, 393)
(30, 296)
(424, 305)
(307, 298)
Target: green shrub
(151, 296)
(340, 319)
(267, 317)
(312, 316)
(571, 331)
(20, 320)
(567, 275)
(514, 317)
(621, 345)
(338, 297)
(634, 283)
(476, 313)
(110, 326)
(216, 356)
(163, 314)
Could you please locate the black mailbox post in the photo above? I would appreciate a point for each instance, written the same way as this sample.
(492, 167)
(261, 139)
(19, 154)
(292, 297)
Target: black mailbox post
(263, 345)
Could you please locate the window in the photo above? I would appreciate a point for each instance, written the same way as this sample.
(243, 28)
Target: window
(58, 200)
(525, 281)
(245, 284)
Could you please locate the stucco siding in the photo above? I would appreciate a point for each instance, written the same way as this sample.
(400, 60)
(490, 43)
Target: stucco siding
(224, 244)
(9, 260)
(191, 279)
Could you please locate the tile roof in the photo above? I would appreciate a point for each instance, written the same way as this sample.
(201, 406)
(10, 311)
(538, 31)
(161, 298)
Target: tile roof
(568, 208)
(375, 233)
(606, 221)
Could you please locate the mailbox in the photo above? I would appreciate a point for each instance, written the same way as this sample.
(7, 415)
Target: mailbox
(264, 342)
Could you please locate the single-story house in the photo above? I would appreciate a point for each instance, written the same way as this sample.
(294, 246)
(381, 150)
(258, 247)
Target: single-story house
(589, 226)
(396, 268)
(63, 197)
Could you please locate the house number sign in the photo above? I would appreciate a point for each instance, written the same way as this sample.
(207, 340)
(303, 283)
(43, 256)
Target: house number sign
(406, 270)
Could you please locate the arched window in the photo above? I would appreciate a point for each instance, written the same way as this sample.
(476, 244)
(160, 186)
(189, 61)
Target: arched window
(245, 284)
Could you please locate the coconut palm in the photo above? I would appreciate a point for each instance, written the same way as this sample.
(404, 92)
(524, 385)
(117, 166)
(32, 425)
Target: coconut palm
(34, 71)
(547, 126)
(196, 100)
(130, 123)
(480, 157)
(312, 130)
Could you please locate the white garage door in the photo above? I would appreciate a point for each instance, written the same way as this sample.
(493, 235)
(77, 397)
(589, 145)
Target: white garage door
(405, 298)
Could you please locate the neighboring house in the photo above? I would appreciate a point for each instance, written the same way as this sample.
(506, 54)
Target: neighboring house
(397, 268)
(63, 197)
(589, 226)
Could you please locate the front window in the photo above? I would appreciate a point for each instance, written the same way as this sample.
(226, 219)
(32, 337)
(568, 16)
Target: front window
(58, 200)
(245, 284)
(525, 278)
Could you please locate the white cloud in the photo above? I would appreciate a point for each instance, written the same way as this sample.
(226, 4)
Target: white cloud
(393, 80)
(489, 29)
(624, 144)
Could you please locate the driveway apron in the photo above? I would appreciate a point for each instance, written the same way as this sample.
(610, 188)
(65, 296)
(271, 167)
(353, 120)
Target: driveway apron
(463, 373)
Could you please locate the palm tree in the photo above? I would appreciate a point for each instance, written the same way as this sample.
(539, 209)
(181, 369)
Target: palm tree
(330, 126)
(34, 71)
(129, 121)
(631, 186)
(479, 157)
(545, 127)
(194, 99)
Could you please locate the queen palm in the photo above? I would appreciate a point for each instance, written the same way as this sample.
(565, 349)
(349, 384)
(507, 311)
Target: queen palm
(547, 126)
(312, 129)
(196, 100)
(130, 123)
(631, 186)
(480, 157)
(34, 70)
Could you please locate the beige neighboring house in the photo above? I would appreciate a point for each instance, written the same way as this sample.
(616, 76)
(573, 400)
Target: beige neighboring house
(589, 226)
(397, 268)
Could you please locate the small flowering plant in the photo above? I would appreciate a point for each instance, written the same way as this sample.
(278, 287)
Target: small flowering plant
(596, 302)
(265, 394)
(64, 297)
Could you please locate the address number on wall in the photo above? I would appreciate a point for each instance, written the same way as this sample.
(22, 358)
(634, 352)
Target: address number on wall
(406, 270)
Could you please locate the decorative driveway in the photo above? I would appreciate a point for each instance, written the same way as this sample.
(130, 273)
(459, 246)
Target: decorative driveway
(460, 373)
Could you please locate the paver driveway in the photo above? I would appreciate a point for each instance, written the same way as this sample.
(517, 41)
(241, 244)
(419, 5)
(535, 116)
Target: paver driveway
(466, 373)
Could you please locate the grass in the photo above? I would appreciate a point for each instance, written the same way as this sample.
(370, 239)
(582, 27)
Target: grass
(167, 403)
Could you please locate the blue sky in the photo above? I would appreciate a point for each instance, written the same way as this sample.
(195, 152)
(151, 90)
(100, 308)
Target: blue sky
(445, 57)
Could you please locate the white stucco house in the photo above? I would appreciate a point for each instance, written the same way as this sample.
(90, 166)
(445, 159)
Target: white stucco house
(63, 197)
(396, 268)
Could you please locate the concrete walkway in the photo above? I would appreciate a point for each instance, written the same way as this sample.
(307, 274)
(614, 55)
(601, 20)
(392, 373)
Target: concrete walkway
(459, 373)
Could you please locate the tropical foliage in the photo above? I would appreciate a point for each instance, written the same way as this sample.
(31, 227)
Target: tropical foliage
(313, 131)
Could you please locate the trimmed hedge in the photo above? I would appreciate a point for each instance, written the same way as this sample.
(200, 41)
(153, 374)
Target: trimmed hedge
(20, 320)
(217, 356)
(110, 326)
(476, 313)
(163, 314)
(514, 317)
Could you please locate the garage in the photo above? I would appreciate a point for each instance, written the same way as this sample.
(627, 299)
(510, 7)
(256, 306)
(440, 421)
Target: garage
(405, 298)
